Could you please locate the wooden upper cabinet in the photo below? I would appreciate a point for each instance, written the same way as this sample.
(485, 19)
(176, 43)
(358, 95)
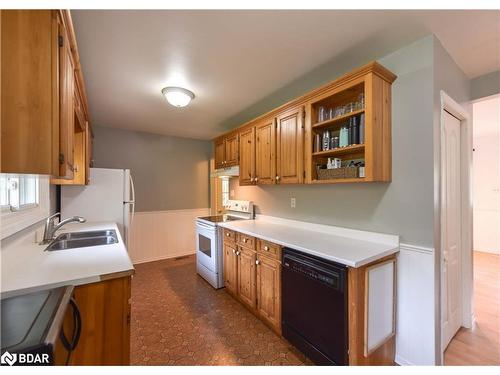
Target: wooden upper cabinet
(268, 289)
(246, 276)
(230, 267)
(231, 150)
(265, 152)
(40, 71)
(226, 150)
(290, 146)
(66, 106)
(220, 152)
(29, 115)
(247, 156)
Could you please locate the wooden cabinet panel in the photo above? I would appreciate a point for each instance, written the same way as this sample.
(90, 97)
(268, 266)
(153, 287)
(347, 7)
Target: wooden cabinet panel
(231, 150)
(290, 147)
(247, 156)
(105, 310)
(29, 115)
(265, 152)
(269, 291)
(66, 105)
(269, 249)
(246, 276)
(245, 240)
(219, 153)
(230, 267)
(229, 235)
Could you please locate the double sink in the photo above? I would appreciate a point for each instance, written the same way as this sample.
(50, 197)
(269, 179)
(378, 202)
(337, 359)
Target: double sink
(74, 240)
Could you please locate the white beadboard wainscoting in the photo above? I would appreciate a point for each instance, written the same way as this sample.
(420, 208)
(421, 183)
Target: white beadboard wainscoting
(159, 235)
(415, 338)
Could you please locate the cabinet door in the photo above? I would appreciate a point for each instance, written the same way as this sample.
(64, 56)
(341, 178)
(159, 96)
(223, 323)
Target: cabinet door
(265, 157)
(219, 153)
(247, 156)
(230, 267)
(66, 106)
(231, 150)
(246, 276)
(269, 291)
(290, 147)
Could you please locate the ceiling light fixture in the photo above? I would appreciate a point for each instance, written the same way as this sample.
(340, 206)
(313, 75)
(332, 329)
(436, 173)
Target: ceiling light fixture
(177, 96)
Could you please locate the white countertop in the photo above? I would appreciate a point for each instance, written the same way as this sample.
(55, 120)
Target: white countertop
(349, 247)
(26, 267)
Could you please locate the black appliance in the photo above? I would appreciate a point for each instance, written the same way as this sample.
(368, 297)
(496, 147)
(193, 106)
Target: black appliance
(32, 324)
(314, 307)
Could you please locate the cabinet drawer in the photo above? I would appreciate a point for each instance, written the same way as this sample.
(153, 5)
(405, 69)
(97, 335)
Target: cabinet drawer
(229, 235)
(269, 249)
(245, 240)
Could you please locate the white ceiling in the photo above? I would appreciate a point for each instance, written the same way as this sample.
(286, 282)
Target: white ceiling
(231, 59)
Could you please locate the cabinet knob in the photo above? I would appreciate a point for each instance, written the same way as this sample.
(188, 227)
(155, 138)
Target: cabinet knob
(234, 251)
(266, 248)
(277, 178)
(256, 179)
(238, 253)
(244, 240)
(227, 234)
(257, 262)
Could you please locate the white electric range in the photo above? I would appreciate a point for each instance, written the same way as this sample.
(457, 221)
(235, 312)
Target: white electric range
(209, 240)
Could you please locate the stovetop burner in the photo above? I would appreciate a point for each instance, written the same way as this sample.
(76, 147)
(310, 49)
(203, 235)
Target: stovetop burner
(220, 218)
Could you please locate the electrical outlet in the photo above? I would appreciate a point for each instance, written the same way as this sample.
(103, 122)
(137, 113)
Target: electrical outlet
(292, 202)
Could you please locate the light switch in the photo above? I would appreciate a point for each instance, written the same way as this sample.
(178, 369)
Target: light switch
(292, 202)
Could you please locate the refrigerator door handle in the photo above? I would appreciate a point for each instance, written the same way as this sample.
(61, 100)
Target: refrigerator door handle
(133, 189)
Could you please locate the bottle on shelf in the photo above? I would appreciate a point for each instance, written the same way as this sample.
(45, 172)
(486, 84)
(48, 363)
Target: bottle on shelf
(355, 131)
(362, 128)
(350, 132)
(326, 140)
(317, 143)
(343, 138)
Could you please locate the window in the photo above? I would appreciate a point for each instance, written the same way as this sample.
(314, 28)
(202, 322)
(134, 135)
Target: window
(225, 190)
(18, 192)
(24, 201)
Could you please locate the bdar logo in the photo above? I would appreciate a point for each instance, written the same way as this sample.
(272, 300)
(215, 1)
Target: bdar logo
(8, 358)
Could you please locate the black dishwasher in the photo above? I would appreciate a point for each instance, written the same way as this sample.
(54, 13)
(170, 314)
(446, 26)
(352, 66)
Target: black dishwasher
(314, 307)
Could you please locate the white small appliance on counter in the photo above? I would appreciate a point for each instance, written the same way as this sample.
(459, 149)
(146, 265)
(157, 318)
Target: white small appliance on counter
(110, 196)
(209, 240)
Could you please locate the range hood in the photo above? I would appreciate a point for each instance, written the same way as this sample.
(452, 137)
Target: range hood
(226, 172)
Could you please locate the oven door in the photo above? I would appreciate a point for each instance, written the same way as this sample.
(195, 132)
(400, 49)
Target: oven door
(206, 245)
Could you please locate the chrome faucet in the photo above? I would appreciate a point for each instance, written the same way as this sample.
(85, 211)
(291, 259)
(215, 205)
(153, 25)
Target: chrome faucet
(50, 228)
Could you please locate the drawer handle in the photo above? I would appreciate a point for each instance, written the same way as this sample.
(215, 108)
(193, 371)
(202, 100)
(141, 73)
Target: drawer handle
(266, 248)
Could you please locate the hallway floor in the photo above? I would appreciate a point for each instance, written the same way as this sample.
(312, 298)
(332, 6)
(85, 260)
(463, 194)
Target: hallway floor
(179, 319)
(481, 344)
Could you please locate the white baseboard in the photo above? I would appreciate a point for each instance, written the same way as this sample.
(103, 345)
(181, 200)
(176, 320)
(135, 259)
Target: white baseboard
(164, 257)
(157, 235)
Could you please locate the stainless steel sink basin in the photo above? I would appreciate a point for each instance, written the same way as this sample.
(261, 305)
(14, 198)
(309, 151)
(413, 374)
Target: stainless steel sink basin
(90, 234)
(83, 239)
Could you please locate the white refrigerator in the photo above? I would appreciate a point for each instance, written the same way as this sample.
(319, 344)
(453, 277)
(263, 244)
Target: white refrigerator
(109, 196)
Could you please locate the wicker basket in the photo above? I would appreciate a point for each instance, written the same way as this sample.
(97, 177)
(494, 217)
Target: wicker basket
(332, 174)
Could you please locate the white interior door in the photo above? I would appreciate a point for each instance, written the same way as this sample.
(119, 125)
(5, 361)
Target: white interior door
(451, 198)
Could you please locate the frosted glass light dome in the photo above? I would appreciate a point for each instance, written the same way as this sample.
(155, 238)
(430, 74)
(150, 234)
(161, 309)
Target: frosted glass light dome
(177, 96)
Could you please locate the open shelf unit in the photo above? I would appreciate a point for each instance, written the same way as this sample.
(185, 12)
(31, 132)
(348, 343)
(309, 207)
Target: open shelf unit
(370, 147)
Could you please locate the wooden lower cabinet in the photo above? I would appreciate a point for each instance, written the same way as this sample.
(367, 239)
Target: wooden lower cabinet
(105, 311)
(246, 276)
(230, 266)
(254, 279)
(269, 291)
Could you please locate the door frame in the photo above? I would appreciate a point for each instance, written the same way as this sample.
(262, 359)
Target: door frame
(466, 261)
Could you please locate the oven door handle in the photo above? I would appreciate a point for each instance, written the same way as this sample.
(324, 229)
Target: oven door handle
(204, 226)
